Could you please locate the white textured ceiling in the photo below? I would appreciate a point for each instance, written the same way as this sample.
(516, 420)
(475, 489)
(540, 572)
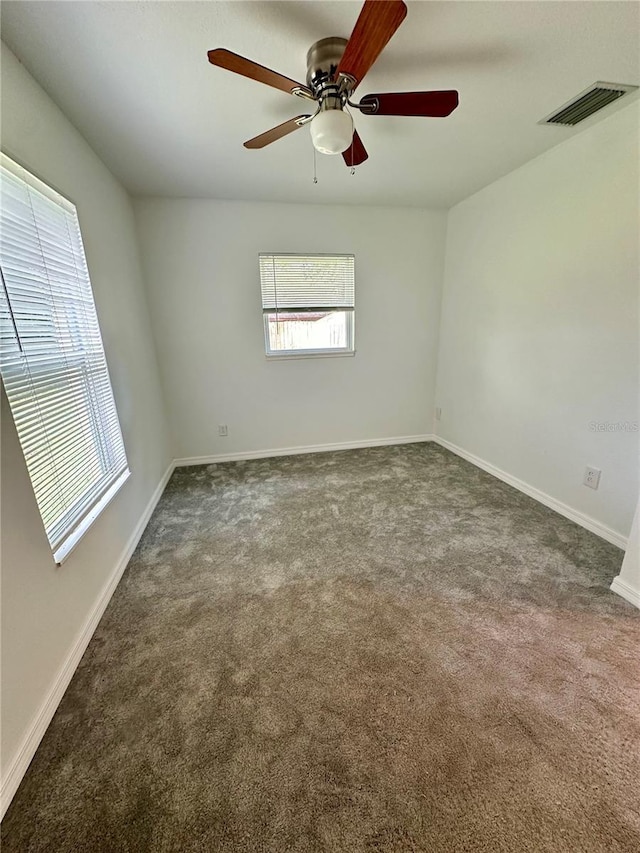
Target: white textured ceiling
(134, 79)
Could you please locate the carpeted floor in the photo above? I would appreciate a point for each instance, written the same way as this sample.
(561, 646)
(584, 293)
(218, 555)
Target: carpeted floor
(374, 650)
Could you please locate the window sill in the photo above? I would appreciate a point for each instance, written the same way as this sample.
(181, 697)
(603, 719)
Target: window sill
(287, 356)
(66, 547)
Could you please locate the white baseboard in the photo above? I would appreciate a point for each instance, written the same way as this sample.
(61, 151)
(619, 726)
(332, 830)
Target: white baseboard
(627, 592)
(572, 514)
(40, 723)
(294, 451)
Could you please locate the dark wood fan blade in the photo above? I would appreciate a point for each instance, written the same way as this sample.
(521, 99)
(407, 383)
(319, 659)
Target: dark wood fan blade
(377, 22)
(275, 133)
(356, 153)
(435, 104)
(238, 64)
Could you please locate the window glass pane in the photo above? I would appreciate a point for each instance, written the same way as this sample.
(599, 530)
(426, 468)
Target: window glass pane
(309, 331)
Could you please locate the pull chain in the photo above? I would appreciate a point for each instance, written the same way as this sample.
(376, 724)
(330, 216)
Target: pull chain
(315, 174)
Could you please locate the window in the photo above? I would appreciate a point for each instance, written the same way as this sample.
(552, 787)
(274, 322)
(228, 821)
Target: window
(52, 361)
(308, 304)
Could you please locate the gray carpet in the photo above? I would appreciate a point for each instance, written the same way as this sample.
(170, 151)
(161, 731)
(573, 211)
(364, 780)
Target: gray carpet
(375, 650)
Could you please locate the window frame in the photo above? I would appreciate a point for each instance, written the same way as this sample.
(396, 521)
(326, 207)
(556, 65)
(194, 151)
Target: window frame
(324, 352)
(90, 509)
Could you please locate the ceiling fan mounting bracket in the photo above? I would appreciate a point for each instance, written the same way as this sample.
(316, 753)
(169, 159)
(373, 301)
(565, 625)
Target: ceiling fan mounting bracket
(300, 92)
(346, 83)
(368, 109)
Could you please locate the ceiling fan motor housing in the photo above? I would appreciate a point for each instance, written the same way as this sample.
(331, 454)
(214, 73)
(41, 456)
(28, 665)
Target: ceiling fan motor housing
(323, 58)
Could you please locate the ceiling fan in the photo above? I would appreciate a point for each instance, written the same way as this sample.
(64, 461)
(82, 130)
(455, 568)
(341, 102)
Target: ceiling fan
(335, 67)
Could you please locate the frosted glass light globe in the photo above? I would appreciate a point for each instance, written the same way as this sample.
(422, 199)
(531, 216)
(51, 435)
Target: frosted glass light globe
(332, 131)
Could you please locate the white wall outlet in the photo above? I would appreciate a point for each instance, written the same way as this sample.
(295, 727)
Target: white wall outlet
(438, 413)
(592, 477)
(222, 429)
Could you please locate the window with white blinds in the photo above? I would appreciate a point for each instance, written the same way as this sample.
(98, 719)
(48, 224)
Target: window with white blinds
(308, 304)
(52, 360)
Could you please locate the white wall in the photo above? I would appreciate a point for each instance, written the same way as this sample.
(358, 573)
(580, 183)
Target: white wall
(539, 330)
(201, 264)
(43, 607)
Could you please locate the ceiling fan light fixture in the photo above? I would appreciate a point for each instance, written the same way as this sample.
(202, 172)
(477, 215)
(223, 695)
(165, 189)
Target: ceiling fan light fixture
(335, 68)
(331, 131)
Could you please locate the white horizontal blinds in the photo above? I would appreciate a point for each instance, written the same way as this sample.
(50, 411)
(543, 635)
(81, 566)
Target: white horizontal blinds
(301, 283)
(51, 355)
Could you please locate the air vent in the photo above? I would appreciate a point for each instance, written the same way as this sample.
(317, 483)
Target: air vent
(587, 103)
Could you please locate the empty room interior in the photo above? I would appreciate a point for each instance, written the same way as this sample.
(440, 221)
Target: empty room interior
(320, 401)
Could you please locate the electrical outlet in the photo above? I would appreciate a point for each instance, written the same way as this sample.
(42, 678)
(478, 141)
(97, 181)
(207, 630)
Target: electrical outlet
(438, 413)
(222, 429)
(592, 477)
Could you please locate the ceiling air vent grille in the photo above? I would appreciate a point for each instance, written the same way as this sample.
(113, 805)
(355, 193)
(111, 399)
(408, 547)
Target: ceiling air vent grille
(587, 103)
